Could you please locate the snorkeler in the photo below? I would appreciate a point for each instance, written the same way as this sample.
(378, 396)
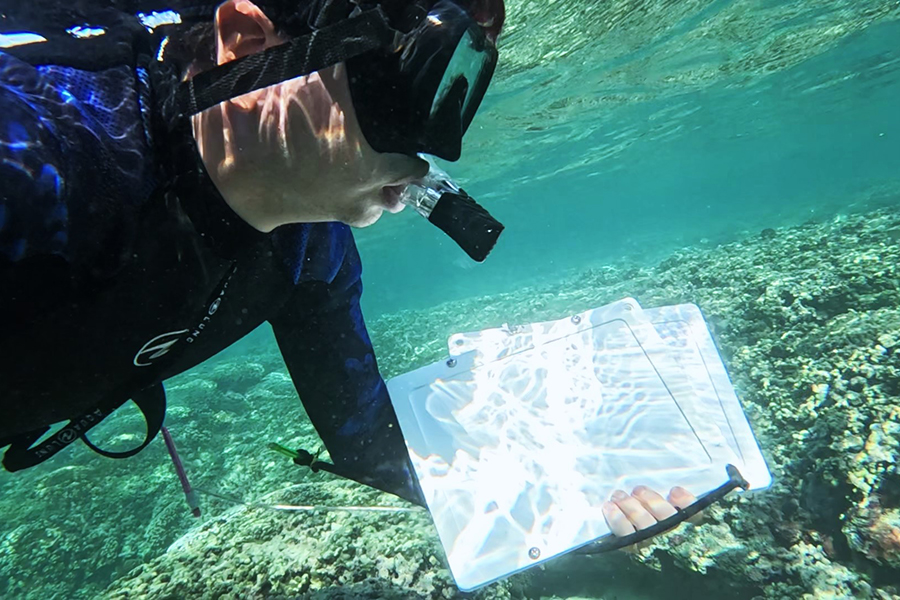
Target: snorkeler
(165, 188)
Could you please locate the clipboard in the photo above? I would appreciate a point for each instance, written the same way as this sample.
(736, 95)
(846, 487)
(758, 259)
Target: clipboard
(522, 433)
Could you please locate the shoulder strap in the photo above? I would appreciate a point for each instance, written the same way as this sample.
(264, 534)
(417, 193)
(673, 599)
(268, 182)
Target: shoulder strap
(150, 399)
(21, 455)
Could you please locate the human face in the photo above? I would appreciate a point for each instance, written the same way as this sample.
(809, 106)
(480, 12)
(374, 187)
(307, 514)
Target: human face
(294, 152)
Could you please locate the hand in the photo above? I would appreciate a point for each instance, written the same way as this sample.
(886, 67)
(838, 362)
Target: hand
(643, 508)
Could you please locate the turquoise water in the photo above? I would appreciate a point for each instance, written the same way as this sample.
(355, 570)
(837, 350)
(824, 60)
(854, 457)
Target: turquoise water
(586, 170)
(630, 148)
(653, 168)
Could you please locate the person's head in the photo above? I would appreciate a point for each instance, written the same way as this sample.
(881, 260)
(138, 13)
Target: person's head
(295, 151)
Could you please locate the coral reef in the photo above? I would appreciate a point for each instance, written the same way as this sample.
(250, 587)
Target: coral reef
(256, 553)
(807, 319)
(101, 518)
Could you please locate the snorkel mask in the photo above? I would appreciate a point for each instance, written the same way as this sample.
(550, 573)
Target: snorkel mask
(419, 95)
(418, 71)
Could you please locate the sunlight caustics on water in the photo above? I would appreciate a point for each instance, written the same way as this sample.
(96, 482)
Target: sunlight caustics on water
(624, 129)
(625, 144)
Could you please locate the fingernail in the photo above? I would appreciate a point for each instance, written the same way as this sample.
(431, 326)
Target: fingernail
(619, 495)
(681, 492)
(639, 489)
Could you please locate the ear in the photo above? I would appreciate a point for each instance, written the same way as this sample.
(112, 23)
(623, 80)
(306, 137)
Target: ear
(242, 28)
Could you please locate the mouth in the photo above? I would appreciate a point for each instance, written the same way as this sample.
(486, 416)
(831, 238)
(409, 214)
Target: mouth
(390, 198)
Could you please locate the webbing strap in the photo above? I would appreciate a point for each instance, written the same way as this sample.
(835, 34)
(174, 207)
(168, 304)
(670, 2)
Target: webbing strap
(20, 455)
(152, 403)
(150, 399)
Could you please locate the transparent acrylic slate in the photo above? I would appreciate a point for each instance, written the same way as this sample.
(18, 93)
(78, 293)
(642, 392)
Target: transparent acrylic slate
(519, 439)
(685, 332)
(688, 343)
(491, 344)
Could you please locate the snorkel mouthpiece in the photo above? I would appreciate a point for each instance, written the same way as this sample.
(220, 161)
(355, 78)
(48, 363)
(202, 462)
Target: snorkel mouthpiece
(447, 206)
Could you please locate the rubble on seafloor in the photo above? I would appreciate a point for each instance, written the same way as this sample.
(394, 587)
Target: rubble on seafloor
(807, 320)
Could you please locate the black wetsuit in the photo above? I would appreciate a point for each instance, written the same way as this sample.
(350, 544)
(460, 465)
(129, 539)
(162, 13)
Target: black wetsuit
(108, 274)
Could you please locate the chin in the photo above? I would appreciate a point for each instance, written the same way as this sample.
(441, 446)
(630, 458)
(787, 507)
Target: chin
(365, 218)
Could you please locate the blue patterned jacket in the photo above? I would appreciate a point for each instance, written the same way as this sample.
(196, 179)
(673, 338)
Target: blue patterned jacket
(107, 272)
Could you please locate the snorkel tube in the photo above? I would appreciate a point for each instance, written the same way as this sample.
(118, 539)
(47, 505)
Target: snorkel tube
(417, 73)
(447, 206)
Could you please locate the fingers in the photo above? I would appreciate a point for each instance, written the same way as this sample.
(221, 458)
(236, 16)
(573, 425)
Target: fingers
(655, 504)
(618, 523)
(680, 497)
(639, 516)
(626, 514)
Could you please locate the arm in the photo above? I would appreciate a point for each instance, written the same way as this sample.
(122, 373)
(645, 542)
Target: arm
(327, 349)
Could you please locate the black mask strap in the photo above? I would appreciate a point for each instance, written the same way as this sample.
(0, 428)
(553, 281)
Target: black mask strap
(317, 50)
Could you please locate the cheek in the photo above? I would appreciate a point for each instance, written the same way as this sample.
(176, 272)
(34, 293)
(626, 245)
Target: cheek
(208, 135)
